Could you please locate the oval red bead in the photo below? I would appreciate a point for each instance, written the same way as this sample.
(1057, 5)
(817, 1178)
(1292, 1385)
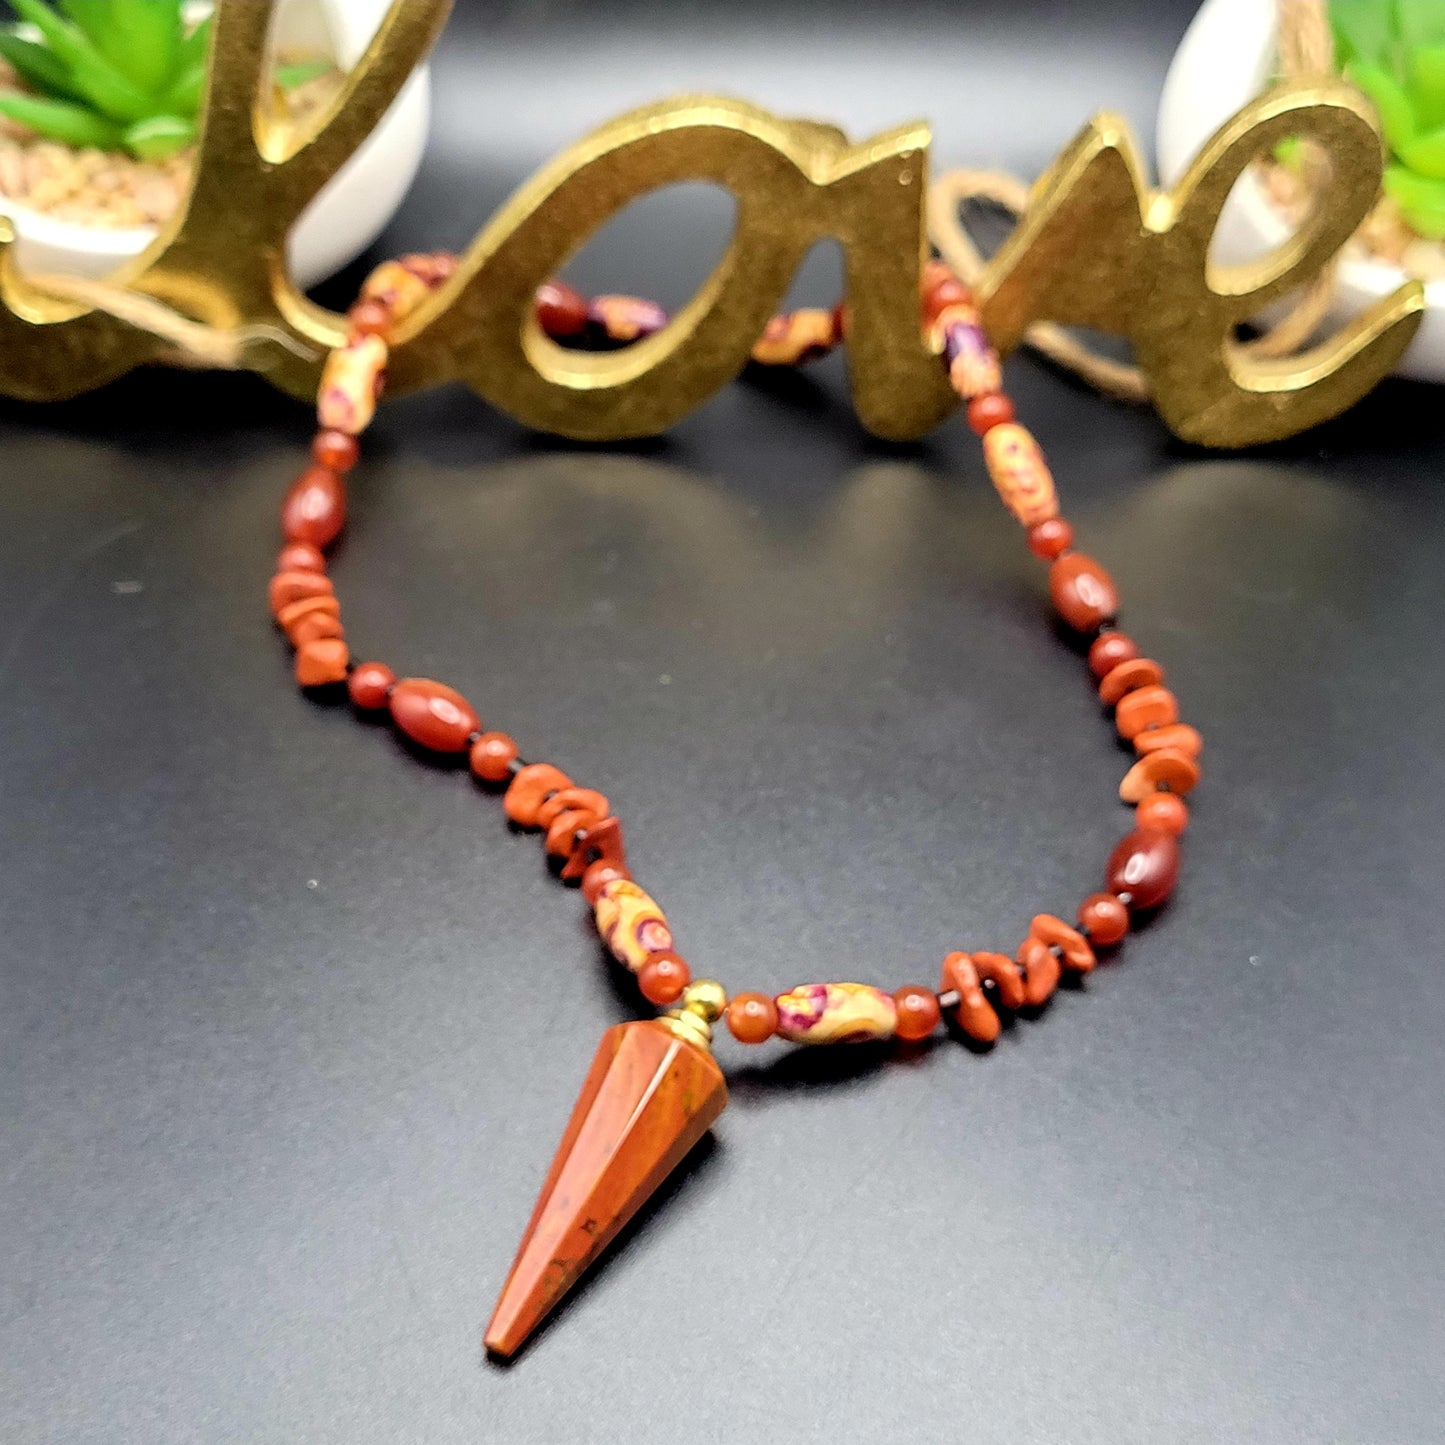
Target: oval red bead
(315, 508)
(1084, 594)
(1145, 866)
(433, 715)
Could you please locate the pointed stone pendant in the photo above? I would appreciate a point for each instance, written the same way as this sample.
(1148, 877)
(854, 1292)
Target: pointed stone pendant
(651, 1094)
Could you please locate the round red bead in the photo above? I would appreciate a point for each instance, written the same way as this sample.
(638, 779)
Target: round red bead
(492, 757)
(752, 1018)
(918, 1012)
(370, 684)
(600, 874)
(1049, 539)
(300, 557)
(336, 450)
(1163, 812)
(662, 978)
(561, 311)
(1109, 651)
(433, 715)
(989, 410)
(1104, 919)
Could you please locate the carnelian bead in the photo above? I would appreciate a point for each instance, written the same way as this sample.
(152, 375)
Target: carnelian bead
(988, 410)
(432, 715)
(337, 451)
(1103, 918)
(370, 685)
(1163, 812)
(300, 557)
(1129, 677)
(918, 1012)
(1145, 707)
(529, 789)
(561, 311)
(599, 874)
(322, 662)
(492, 757)
(1084, 594)
(371, 317)
(1109, 651)
(315, 508)
(1143, 868)
(663, 977)
(1050, 538)
(752, 1018)
(289, 587)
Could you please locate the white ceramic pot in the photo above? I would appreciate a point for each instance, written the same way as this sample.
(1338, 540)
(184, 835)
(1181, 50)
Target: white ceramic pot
(339, 224)
(1225, 60)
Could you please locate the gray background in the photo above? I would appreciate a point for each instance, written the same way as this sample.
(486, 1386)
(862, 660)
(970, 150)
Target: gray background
(290, 1023)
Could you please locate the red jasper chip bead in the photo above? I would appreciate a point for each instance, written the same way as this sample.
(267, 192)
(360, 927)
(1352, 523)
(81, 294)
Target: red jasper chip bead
(315, 508)
(321, 663)
(752, 1018)
(300, 557)
(918, 1012)
(492, 757)
(1109, 650)
(1145, 867)
(337, 451)
(289, 587)
(370, 685)
(561, 311)
(663, 977)
(1050, 539)
(991, 409)
(432, 715)
(1104, 919)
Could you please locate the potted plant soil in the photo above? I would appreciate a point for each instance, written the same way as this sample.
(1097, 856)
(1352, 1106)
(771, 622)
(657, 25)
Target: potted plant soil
(99, 103)
(1394, 52)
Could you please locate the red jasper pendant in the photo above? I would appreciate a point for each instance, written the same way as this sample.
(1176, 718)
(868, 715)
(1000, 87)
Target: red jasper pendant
(651, 1095)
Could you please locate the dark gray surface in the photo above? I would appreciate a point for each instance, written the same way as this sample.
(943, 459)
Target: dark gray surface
(290, 1023)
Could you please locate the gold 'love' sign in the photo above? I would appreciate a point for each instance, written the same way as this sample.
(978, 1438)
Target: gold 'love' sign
(1097, 247)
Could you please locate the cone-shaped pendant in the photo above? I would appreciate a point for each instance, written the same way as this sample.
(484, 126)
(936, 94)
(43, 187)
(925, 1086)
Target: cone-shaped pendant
(652, 1093)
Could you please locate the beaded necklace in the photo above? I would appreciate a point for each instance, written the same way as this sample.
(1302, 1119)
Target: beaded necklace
(654, 1088)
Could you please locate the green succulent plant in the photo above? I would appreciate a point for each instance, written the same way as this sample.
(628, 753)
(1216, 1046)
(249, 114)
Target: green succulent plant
(115, 74)
(1394, 51)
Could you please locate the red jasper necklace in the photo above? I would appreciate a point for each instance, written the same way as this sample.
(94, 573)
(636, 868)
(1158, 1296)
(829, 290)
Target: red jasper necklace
(654, 1087)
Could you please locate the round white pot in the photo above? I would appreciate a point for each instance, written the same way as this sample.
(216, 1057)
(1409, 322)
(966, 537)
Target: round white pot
(1225, 60)
(340, 223)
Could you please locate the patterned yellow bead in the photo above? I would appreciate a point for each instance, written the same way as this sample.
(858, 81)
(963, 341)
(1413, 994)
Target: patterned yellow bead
(351, 384)
(398, 287)
(631, 924)
(1020, 473)
(798, 336)
(836, 1013)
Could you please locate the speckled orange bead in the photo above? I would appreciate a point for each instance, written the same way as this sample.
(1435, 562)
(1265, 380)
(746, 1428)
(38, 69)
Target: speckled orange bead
(918, 1012)
(752, 1018)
